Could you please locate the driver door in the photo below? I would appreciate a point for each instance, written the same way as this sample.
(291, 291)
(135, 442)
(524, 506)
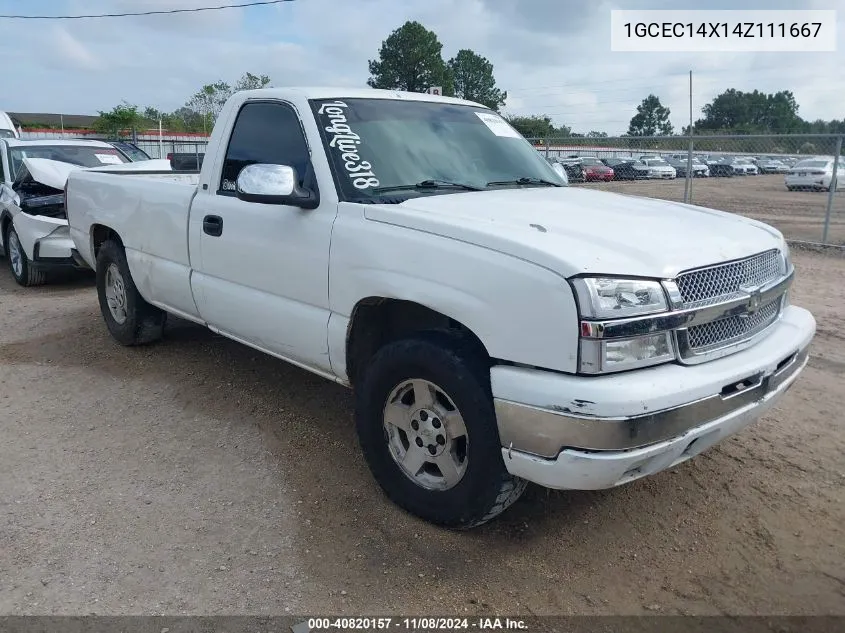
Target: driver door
(262, 274)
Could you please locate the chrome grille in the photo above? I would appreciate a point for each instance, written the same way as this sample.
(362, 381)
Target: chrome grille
(715, 283)
(733, 328)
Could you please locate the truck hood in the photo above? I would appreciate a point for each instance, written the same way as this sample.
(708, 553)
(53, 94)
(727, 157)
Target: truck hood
(572, 230)
(52, 173)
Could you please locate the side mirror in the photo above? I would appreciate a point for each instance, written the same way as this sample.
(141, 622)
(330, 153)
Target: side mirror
(560, 172)
(274, 184)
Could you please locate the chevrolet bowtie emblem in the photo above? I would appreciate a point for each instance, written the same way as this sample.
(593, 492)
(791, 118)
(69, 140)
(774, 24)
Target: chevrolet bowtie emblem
(753, 303)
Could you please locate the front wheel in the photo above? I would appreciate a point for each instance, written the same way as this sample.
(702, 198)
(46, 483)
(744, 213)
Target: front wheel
(129, 318)
(427, 428)
(22, 270)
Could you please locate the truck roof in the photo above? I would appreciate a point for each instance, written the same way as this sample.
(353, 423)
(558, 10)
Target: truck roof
(336, 92)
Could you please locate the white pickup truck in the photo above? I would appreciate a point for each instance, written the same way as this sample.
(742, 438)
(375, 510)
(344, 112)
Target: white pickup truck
(496, 327)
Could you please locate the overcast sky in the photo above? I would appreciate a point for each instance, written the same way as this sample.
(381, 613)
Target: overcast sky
(552, 56)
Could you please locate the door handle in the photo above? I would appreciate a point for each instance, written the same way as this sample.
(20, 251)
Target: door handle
(212, 225)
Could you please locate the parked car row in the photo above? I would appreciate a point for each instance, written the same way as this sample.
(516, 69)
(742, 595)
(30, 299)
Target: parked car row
(589, 168)
(727, 166)
(814, 173)
(679, 163)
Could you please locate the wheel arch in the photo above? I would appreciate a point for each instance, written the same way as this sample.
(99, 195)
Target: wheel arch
(5, 223)
(100, 233)
(378, 320)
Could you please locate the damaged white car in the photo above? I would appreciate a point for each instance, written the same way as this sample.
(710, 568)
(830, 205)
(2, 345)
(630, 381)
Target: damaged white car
(33, 224)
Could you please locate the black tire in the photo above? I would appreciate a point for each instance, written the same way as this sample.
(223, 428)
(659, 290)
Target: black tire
(29, 275)
(144, 323)
(486, 488)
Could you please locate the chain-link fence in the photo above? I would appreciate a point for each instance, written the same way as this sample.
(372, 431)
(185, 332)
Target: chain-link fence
(177, 143)
(788, 181)
(167, 147)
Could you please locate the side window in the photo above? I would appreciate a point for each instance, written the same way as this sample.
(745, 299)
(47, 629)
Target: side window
(265, 133)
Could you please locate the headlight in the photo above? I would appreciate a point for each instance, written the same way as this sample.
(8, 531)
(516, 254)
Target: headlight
(604, 298)
(635, 350)
(610, 298)
(602, 357)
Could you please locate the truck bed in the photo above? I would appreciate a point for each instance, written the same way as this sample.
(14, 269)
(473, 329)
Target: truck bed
(149, 210)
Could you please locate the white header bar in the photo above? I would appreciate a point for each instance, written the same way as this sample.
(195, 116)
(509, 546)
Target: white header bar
(723, 31)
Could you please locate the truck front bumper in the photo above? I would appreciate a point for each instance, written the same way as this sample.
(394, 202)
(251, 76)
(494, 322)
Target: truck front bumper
(593, 432)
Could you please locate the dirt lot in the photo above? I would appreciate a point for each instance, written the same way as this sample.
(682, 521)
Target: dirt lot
(198, 476)
(798, 214)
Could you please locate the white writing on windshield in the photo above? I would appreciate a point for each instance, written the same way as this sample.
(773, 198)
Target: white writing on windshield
(346, 141)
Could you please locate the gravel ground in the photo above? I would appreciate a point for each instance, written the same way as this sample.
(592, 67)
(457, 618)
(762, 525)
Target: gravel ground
(798, 214)
(199, 476)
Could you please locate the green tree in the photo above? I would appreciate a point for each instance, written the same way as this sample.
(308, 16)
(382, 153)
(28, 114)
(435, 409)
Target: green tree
(820, 126)
(410, 59)
(185, 120)
(121, 118)
(651, 119)
(248, 81)
(473, 79)
(752, 112)
(594, 134)
(563, 131)
(209, 101)
(534, 126)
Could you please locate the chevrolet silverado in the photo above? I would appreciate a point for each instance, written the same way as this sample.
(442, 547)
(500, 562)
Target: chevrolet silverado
(496, 326)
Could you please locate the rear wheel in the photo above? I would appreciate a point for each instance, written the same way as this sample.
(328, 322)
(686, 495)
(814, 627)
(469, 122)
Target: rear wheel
(129, 318)
(22, 270)
(427, 428)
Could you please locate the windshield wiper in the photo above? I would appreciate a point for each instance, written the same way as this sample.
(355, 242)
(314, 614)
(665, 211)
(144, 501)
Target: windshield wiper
(430, 184)
(525, 180)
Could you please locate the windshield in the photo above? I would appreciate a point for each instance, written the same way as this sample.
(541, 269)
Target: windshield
(655, 162)
(135, 154)
(84, 156)
(590, 162)
(375, 145)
